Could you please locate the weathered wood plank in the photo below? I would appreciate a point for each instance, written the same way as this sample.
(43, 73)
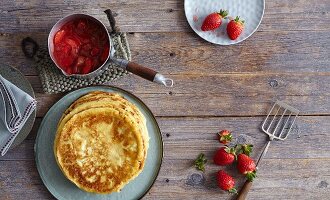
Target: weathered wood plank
(154, 16)
(285, 51)
(277, 179)
(280, 175)
(309, 139)
(221, 94)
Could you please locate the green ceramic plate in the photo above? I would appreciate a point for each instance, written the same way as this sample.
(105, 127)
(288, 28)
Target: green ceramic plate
(61, 187)
(18, 79)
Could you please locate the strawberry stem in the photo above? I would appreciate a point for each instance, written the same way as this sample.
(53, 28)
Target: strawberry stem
(223, 13)
(251, 176)
(200, 162)
(232, 191)
(238, 20)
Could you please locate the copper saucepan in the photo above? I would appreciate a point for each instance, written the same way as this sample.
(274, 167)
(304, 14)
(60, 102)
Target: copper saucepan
(132, 67)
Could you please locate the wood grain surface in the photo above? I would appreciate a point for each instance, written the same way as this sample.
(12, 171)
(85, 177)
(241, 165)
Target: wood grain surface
(216, 87)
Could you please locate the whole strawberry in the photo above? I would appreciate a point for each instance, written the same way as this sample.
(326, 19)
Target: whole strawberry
(235, 28)
(225, 137)
(214, 20)
(224, 156)
(246, 166)
(226, 182)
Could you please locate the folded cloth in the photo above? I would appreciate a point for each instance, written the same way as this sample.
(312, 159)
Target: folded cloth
(15, 108)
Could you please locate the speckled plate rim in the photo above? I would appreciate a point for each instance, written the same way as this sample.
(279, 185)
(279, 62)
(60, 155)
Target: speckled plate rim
(123, 91)
(30, 121)
(226, 44)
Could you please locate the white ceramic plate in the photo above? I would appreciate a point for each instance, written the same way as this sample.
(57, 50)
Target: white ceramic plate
(249, 10)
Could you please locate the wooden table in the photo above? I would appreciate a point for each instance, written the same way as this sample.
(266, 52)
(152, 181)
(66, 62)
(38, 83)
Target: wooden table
(216, 87)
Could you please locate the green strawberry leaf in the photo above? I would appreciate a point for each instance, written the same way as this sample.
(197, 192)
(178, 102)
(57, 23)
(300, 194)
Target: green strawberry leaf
(232, 191)
(244, 148)
(226, 138)
(251, 176)
(200, 162)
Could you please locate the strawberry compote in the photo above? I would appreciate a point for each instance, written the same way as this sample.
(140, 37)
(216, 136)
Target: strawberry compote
(81, 46)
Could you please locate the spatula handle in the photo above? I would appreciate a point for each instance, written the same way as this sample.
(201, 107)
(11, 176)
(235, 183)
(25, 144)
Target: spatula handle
(244, 191)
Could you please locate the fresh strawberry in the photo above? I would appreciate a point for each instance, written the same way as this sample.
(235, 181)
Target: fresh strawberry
(224, 156)
(214, 20)
(235, 28)
(246, 166)
(226, 182)
(225, 137)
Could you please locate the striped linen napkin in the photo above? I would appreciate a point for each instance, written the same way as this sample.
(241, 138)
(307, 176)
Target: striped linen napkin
(15, 108)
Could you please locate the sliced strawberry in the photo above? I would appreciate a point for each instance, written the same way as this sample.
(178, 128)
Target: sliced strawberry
(74, 47)
(95, 51)
(66, 61)
(66, 49)
(88, 66)
(82, 25)
(59, 37)
(80, 61)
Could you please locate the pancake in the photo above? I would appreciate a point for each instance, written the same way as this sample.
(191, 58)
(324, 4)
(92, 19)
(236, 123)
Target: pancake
(101, 142)
(104, 99)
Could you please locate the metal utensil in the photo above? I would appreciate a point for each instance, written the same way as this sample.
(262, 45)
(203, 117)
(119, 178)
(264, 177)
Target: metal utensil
(277, 125)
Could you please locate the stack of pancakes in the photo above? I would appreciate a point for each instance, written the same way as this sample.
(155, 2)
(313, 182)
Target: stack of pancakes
(101, 142)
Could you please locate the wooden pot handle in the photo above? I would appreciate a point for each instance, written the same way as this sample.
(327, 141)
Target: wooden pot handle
(141, 71)
(244, 191)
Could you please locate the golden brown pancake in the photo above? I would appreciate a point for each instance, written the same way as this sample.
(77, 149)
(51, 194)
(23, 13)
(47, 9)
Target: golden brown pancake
(105, 99)
(101, 143)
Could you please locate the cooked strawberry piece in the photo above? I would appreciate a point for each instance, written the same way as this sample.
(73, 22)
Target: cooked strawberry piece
(95, 51)
(80, 61)
(59, 36)
(66, 62)
(88, 66)
(82, 24)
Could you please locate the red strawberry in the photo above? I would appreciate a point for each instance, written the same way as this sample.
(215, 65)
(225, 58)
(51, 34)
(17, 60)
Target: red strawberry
(246, 165)
(226, 182)
(235, 28)
(224, 156)
(214, 20)
(225, 137)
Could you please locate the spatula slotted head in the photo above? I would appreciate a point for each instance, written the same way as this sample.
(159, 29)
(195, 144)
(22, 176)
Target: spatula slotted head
(279, 121)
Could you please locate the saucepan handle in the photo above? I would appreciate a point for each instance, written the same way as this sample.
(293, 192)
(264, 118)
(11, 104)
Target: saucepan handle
(112, 21)
(143, 72)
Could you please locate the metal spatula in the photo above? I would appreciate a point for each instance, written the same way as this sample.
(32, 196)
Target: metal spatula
(277, 125)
